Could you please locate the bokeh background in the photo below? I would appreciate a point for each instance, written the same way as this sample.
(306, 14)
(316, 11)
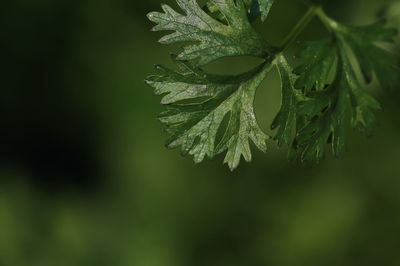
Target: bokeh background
(85, 178)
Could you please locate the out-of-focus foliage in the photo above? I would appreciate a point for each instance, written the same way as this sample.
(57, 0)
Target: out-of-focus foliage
(86, 181)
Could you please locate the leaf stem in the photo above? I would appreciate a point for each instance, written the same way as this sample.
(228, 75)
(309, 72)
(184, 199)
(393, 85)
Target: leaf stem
(299, 27)
(329, 23)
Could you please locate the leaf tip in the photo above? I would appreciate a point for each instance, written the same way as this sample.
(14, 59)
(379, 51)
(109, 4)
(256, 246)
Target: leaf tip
(150, 15)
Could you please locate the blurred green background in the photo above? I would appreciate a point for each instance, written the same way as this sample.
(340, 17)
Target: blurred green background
(85, 178)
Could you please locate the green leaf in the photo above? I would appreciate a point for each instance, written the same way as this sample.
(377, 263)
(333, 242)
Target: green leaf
(265, 7)
(211, 114)
(194, 125)
(324, 107)
(365, 43)
(362, 104)
(286, 119)
(325, 110)
(314, 74)
(255, 8)
(325, 113)
(212, 39)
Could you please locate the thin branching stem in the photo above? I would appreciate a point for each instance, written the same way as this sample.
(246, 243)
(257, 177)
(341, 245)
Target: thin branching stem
(299, 27)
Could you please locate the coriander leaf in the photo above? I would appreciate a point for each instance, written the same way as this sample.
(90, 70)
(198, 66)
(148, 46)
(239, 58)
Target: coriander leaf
(213, 8)
(286, 118)
(265, 7)
(364, 42)
(325, 113)
(325, 110)
(255, 8)
(194, 125)
(315, 73)
(362, 104)
(213, 39)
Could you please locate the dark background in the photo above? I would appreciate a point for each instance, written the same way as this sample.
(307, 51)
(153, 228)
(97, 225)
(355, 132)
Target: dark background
(85, 178)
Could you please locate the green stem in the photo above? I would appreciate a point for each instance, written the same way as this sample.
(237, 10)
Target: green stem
(298, 29)
(329, 23)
